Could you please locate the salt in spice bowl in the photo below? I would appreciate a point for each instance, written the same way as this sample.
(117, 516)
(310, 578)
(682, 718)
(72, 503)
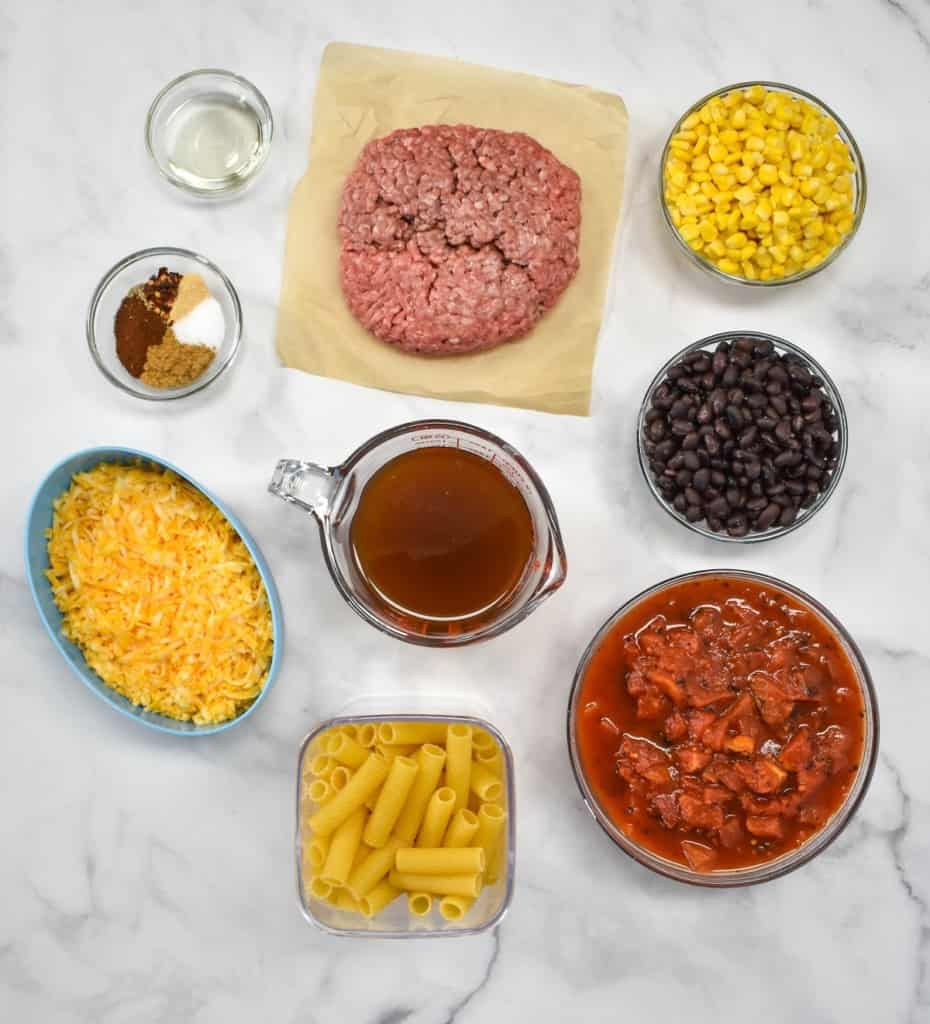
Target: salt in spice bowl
(132, 272)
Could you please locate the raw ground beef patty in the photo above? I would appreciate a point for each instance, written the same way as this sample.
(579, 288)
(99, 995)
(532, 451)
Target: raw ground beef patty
(455, 238)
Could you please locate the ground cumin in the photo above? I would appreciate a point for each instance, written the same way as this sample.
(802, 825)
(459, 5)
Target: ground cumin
(171, 364)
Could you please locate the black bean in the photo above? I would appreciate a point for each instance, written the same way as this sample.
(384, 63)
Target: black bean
(731, 374)
(748, 437)
(755, 488)
(718, 401)
(757, 401)
(705, 414)
(701, 479)
(766, 423)
(734, 417)
(762, 348)
(795, 487)
(691, 461)
(679, 410)
(811, 401)
(783, 431)
(681, 427)
(786, 459)
(753, 469)
(676, 372)
(773, 490)
(719, 362)
(693, 497)
(711, 444)
(779, 404)
(738, 525)
(677, 461)
(707, 380)
(799, 373)
(718, 507)
(694, 513)
(691, 441)
(756, 504)
(774, 387)
(787, 516)
(735, 396)
(722, 430)
(680, 503)
(767, 516)
(683, 477)
(739, 360)
(665, 450)
(714, 523)
(717, 478)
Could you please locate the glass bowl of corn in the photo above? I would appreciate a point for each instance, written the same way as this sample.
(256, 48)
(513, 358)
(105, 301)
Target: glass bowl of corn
(761, 183)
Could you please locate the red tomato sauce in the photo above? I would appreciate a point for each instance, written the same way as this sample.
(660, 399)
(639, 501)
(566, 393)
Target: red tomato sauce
(720, 723)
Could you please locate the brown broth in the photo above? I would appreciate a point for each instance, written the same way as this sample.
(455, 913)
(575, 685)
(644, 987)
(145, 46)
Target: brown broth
(440, 533)
(606, 713)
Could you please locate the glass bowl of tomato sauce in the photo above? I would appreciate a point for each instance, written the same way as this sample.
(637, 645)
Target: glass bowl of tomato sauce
(722, 727)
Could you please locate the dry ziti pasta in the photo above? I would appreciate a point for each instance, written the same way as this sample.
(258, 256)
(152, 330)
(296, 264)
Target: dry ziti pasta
(410, 808)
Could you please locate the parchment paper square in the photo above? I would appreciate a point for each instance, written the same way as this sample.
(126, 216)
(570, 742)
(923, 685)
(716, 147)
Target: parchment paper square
(364, 93)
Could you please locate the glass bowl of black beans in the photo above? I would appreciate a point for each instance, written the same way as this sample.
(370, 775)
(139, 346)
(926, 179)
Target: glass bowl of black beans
(742, 437)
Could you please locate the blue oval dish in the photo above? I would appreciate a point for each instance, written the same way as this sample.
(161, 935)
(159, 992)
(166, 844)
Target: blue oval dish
(36, 549)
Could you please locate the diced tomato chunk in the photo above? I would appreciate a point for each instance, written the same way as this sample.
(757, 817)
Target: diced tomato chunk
(651, 705)
(665, 805)
(765, 828)
(696, 814)
(731, 833)
(676, 727)
(774, 706)
(691, 760)
(698, 721)
(671, 687)
(761, 775)
(698, 856)
(638, 758)
(798, 751)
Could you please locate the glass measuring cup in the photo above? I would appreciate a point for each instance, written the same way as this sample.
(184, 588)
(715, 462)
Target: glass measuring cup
(331, 495)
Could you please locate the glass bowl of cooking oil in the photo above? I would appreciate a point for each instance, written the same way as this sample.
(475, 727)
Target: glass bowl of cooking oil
(209, 132)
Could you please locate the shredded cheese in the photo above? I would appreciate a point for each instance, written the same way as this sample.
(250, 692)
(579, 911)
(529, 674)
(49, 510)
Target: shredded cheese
(159, 592)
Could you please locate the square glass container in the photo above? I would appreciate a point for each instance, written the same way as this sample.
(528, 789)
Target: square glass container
(395, 921)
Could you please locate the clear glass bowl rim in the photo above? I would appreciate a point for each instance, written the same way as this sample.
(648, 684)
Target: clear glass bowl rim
(787, 862)
(479, 635)
(135, 257)
(832, 392)
(425, 933)
(263, 110)
(859, 172)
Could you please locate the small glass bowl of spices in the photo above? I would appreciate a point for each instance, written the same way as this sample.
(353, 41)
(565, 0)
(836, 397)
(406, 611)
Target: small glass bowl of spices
(164, 323)
(742, 436)
(209, 132)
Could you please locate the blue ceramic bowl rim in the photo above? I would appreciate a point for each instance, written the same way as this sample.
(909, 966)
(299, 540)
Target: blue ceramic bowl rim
(162, 723)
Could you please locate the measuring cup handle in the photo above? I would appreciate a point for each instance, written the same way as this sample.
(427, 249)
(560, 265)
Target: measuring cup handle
(305, 484)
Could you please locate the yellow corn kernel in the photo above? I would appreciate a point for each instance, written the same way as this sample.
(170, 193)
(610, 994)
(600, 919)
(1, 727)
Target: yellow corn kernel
(755, 95)
(778, 253)
(748, 251)
(719, 170)
(689, 232)
(691, 121)
(796, 253)
(763, 209)
(765, 275)
(768, 174)
(814, 261)
(842, 183)
(728, 266)
(700, 163)
(815, 229)
(780, 218)
(700, 176)
(717, 152)
(801, 170)
(679, 179)
(744, 195)
(739, 119)
(755, 144)
(715, 248)
(697, 244)
(743, 174)
(700, 144)
(762, 258)
(709, 231)
(736, 241)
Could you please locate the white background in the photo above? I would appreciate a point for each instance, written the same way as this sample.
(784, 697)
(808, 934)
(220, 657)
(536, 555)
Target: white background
(150, 879)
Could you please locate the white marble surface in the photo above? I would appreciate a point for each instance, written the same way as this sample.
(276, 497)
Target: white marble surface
(147, 879)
